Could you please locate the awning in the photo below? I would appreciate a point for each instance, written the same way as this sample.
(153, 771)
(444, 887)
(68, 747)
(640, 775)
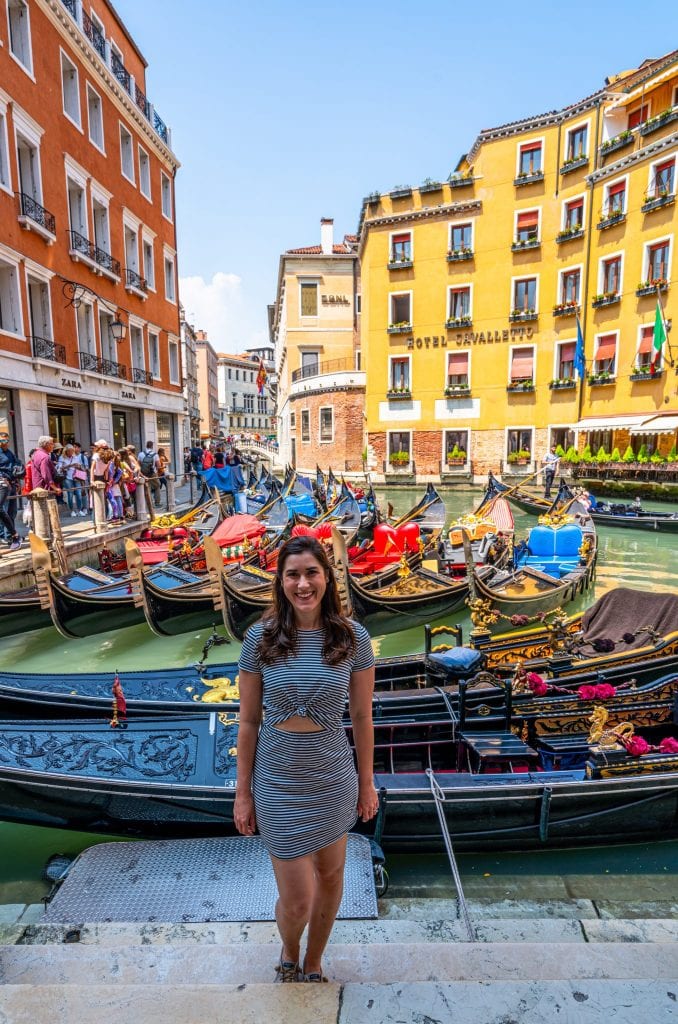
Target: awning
(522, 363)
(610, 423)
(657, 425)
(567, 351)
(646, 340)
(457, 362)
(607, 346)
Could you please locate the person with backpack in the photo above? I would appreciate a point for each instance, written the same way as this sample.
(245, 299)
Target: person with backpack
(149, 464)
(11, 472)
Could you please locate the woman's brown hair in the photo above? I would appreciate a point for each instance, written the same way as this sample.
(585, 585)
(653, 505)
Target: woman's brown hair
(279, 637)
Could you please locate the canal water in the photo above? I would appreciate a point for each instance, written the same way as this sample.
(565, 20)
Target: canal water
(642, 560)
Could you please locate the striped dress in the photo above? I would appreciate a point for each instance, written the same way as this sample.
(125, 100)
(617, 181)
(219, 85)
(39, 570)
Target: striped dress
(305, 785)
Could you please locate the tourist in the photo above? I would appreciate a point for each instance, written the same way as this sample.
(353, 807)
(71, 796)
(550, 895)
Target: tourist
(114, 476)
(296, 779)
(550, 462)
(68, 466)
(163, 470)
(150, 464)
(43, 467)
(207, 458)
(187, 465)
(11, 471)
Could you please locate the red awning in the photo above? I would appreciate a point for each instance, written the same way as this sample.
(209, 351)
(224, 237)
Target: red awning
(529, 219)
(457, 362)
(607, 348)
(522, 363)
(401, 238)
(646, 340)
(567, 351)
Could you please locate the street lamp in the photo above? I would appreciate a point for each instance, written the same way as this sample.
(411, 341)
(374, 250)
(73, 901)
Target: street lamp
(118, 330)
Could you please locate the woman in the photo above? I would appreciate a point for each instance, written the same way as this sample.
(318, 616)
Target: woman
(70, 468)
(113, 486)
(297, 781)
(163, 469)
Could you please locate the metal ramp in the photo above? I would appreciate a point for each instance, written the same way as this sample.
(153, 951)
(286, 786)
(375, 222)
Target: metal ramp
(192, 881)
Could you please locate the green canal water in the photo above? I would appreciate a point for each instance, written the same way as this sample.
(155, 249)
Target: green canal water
(639, 871)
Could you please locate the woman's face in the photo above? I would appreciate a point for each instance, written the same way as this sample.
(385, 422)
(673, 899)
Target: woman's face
(304, 583)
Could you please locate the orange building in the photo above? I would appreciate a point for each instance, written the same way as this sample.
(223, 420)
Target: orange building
(89, 314)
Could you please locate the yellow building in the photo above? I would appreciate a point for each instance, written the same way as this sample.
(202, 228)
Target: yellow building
(471, 289)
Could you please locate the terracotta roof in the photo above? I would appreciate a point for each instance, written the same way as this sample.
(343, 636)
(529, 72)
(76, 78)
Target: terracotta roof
(338, 249)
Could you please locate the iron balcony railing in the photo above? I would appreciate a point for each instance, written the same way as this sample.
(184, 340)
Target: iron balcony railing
(32, 209)
(141, 101)
(43, 348)
(70, 6)
(82, 245)
(135, 280)
(140, 376)
(120, 72)
(330, 366)
(94, 35)
(107, 367)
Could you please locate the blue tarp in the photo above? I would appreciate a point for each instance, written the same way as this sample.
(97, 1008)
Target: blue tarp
(303, 503)
(228, 479)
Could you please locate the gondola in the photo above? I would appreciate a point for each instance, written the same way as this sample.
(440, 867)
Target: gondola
(176, 776)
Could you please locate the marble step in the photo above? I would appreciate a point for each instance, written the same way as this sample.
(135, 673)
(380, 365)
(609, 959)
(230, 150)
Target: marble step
(463, 1002)
(386, 963)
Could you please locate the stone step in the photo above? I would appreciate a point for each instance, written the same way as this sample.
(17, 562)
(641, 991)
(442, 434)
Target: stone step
(385, 963)
(464, 1002)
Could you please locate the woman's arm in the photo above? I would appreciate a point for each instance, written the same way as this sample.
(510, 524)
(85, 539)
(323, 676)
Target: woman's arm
(361, 688)
(250, 719)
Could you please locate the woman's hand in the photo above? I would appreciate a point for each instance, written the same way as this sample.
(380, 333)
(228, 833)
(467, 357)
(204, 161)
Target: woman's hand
(368, 801)
(243, 814)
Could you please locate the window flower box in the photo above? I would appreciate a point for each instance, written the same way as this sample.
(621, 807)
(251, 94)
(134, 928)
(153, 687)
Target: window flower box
(525, 243)
(401, 192)
(528, 179)
(458, 321)
(398, 394)
(574, 163)
(641, 373)
(400, 328)
(455, 462)
(617, 142)
(456, 255)
(460, 180)
(519, 458)
(661, 119)
(655, 202)
(568, 234)
(605, 299)
(520, 385)
(399, 264)
(610, 219)
(457, 391)
(598, 379)
(562, 383)
(400, 462)
(566, 309)
(522, 315)
(430, 186)
(650, 287)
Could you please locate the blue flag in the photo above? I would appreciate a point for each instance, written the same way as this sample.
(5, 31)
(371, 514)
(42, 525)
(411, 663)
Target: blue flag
(579, 359)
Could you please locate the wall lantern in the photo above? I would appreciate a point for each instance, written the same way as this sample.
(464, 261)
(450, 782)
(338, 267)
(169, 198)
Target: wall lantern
(118, 329)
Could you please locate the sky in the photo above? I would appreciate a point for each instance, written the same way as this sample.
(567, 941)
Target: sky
(283, 113)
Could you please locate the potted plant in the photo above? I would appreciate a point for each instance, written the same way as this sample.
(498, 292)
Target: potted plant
(457, 457)
(455, 389)
(399, 458)
(519, 458)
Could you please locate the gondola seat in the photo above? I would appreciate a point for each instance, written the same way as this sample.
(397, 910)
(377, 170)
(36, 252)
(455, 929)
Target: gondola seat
(454, 664)
(486, 742)
(563, 751)
(488, 752)
(554, 550)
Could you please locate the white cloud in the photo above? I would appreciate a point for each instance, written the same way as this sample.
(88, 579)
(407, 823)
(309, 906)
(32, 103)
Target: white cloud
(217, 306)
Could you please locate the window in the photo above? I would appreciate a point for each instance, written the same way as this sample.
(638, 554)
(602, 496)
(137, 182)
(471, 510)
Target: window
(615, 199)
(662, 179)
(20, 33)
(102, 235)
(170, 293)
(293, 420)
(401, 248)
(611, 276)
(527, 226)
(261, 405)
(658, 262)
(637, 116)
(137, 347)
(563, 436)
(28, 160)
(39, 309)
(144, 173)
(459, 302)
(5, 180)
(131, 249)
(85, 322)
(308, 298)
(108, 349)
(400, 309)
(305, 425)
(326, 424)
(248, 403)
(644, 354)
(95, 118)
(461, 238)
(455, 441)
(529, 158)
(569, 286)
(149, 269)
(70, 89)
(525, 295)
(174, 362)
(77, 212)
(606, 352)
(573, 216)
(565, 360)
(399, 373)
(522, 365)
(309, 364)
(229, 373)
(126, 154)
(519, 441)
(10, 303)
(166, 196)
(457, 369)
(399, 442)
(237, 374)
(577, 142)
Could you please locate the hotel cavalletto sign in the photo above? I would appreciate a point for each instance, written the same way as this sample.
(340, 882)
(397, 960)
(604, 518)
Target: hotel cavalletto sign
(517, 332)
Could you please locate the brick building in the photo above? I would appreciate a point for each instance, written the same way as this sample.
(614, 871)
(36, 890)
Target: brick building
(89, 316)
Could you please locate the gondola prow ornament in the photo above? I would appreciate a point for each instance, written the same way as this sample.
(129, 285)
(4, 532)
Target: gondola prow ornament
(119, 705)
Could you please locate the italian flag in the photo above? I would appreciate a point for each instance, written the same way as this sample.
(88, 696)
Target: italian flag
(658, 338)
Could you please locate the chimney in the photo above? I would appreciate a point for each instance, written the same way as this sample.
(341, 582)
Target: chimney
(201, 335)
(327, 236)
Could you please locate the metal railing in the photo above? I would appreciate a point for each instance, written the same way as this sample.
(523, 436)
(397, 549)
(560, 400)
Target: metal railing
(121, 72)
(135, 280)
(32, 209)
(82, 245)
(94, 35)
(140, 376)
(43, 348)
(141, 101)
(110, 368)
(330, 366)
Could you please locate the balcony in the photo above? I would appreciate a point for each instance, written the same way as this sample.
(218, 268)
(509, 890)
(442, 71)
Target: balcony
(606, 299)
(399, 394)
(99, 260)
(400, 263)
(140, 376)
(574, 164)
(458, 321)
(401, 328)
(121, 73)
(519, 316)
(660, 121)
(569, 234)
(457, 255)
(106, 367)
(624, 138)
(43, 348)
(35, 217)
(611, 219)
(651, 287)
(520, 386)
(134, 282)
(330, 366)
(644, 373)
(525, 243)
(430, 186)
(141, 101)
(460, 180)
(401, 192)
(528, 179)
(566, 309)
(656, 200)
(95, 37)
(562, 384)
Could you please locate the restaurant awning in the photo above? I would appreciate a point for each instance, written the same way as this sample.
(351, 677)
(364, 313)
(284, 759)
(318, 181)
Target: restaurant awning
(657, 425)
(609, 423)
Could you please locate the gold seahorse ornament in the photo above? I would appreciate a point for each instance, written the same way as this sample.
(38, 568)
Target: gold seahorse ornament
(220, 691)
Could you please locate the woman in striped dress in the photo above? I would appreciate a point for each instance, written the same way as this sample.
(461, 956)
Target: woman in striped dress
(297, 781)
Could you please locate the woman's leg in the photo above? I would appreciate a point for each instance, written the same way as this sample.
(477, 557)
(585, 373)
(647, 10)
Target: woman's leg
(328, 870)
(69, 487)
(295, 880)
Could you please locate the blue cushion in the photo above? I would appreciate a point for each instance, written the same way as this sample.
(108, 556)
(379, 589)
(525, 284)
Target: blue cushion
(568, 540)
(462, 660)
(541, 541)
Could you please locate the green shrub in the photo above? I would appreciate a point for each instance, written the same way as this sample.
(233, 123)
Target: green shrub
(629, 455)
(586, 455)
(571, 455)
(560, 451)
(601, 455)
(616, 455)
(656, 457)
(673, 455)
(642, 454)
